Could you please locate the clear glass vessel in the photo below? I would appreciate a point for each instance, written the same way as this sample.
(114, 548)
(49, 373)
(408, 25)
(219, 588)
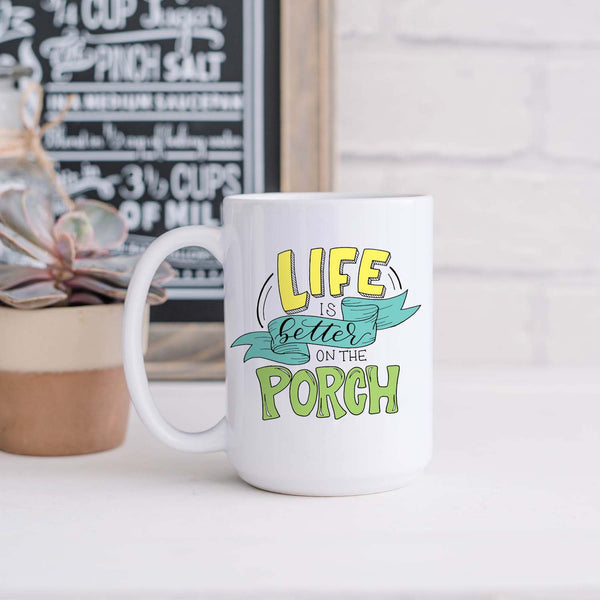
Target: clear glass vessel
(16, 169)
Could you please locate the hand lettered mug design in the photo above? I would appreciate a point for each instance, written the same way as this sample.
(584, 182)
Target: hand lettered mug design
(338, 356)
(288, 338)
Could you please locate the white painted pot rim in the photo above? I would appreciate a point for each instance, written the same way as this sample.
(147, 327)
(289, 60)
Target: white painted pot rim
(72, 338)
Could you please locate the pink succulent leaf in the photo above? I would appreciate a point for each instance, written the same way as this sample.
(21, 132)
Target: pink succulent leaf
(115, 264)
(118, 269)
(164, 273)
(113, 269)
(15, 241)
(95, 285)
(65, 247)
(29, 214)
(76, 224)
(14, 275)
(35, 295)
(156, 295)
(40, 217)
(110, 230)
(85, 298)
(120, 280)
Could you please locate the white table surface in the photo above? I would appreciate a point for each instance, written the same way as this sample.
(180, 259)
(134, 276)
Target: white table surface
(509, 508)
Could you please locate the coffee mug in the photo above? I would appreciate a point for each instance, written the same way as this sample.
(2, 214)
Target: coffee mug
(328, 327)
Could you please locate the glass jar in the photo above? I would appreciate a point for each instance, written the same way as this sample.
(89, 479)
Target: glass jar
(17, 170)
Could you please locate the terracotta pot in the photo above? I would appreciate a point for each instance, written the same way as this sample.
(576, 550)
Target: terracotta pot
(62, 387)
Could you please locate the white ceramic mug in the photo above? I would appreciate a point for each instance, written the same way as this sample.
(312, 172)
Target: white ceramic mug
(328, 322)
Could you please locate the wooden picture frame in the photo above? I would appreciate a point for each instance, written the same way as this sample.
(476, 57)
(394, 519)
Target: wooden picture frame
(192, 351)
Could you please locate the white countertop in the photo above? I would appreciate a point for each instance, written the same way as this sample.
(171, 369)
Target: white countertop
(509, 508)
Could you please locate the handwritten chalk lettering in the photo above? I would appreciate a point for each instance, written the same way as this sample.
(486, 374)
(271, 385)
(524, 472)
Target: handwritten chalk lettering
(294, 301)
(135, 69)
(179, 137)
(58, 138)
(160, 101)
(142, 217)
(202, 66)
(65, 13)
(117, 140)
(67, 54)
(128, 62)
(198, 101)
(107, 14)
(174, 213)
(113, 15)
(180, 213)
(200, 182)
(88, 179)
(56, 102)
(330, 390)
(187, 181)
(156, 187)
(13, 22)
(134, 181)
(227, 140)
(136, 62)
(162, 138)
(183, 16)
(132, 213)
(110, 101)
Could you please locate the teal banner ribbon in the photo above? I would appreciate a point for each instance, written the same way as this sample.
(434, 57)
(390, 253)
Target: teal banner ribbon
(289, 336)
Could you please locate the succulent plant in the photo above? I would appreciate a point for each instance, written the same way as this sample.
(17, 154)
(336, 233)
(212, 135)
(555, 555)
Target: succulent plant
(65, 261)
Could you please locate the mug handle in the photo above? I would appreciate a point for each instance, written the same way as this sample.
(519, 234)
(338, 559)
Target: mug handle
(212, 439)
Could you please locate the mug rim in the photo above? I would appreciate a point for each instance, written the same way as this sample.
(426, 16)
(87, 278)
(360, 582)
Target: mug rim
(270, 197)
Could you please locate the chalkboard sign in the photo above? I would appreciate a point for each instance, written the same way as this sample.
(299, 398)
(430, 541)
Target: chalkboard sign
(176, 104)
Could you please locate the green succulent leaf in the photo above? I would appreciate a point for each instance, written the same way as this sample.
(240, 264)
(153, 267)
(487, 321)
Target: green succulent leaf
(29, 214)
(14, 275)
(78, 227)
(109, 227)
(35, 295)
(15, 241)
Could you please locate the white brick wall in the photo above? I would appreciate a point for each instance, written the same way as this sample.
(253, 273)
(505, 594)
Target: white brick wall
(479, 325)
(526, 22)
(493, 108)
(573, 317)
(423, 102)
(572, 109)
